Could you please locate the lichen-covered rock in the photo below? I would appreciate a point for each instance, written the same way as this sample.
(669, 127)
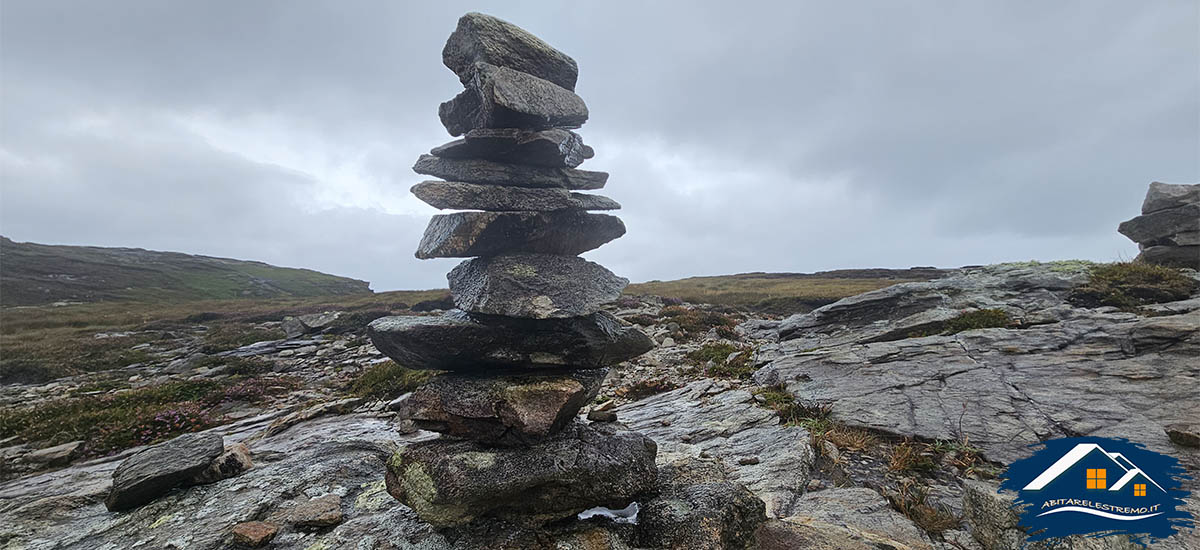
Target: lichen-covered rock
(533, 286)
(499, 97)
(483, 38)
(843, 519)
(554, 148)
(696, 507)
(449, 483)
(507, 173)
(507, 410)
(563, 232)
(152, 472)
(505, 198)
(458, 341)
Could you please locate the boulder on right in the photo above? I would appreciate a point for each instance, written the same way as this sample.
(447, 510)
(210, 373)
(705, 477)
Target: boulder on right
(1168, 231)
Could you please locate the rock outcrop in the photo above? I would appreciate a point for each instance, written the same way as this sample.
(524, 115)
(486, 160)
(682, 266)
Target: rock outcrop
(527, 345)
(1168, 231)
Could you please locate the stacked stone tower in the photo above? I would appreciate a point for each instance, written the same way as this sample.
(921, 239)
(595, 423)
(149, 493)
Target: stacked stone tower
(527, 346)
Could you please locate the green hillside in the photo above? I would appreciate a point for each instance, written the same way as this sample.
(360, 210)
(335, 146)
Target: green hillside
(36, 274)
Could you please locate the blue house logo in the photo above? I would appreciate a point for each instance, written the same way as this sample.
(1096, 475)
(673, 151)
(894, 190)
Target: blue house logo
(1099, 487)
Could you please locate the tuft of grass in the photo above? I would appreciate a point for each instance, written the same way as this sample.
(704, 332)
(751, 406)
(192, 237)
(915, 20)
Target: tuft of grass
(814, 418)
(971, 320)
(847, 438)
(910, 456)
(912, 500)
(387, 380)
(723, 366)
(645, 388)
(1129, 285)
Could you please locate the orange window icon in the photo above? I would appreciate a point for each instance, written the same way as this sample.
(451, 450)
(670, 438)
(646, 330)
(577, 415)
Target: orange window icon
(1096, 478)
(1139, 489)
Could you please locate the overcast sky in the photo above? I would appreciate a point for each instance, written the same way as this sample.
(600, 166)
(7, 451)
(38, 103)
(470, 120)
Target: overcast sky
(787, 136)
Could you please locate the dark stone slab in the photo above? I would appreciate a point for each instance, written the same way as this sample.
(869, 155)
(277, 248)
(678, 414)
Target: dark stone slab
(458, 341)
(449, 483)
(500, 198)
(492, 40)
(149, 474)
(499, 97)
(1149, 228)
(555, 148)
(564, 232)
(534, 286)
(499, 173)
(517, 409)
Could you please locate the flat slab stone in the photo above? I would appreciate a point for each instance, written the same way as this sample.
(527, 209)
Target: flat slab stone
(499, 97)
(500, 173)
(564, 232)
(510, 410)
(1161, 196)
(1149, 228)
(458, 341)
(497, 198)
(480, 37)
(450, 483)
(152, 472)
(533, 286)
(556, 148)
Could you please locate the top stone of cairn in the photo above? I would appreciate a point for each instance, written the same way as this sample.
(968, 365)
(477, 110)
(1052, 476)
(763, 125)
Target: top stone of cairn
(487, 39)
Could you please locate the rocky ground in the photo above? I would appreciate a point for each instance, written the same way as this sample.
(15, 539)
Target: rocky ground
(879, 421)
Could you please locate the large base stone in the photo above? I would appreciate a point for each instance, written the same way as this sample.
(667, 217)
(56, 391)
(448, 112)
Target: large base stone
(503, 198)
(450, 483)
(564, 232)
(533, 286)
(483, 38)
(505, 410)
(152, 472)
(1172, 256)
(499, 97)
(458, 341)
(698, 508)
(555, 148)
(502, 173)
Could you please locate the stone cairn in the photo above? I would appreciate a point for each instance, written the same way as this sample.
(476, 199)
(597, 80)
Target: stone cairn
(1168, 231)
(527, 346)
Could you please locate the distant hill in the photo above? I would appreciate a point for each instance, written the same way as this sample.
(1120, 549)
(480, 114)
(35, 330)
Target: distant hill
(35, 274)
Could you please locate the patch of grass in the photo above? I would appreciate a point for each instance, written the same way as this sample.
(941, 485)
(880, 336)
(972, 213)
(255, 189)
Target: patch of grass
(697, 322)
(645, 388)
(847, 438)
(387, 380)
(54, 353)
(912, 500)
(971, 320)
(112, 422)
(724, 366)
(1129, 285)
(910, 456)
(225, 337)
(814, 418)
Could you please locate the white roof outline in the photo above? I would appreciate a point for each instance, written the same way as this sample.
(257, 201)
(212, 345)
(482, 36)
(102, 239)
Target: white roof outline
(1075, 455)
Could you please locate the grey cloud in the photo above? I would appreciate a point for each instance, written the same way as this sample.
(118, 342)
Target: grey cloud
(803, 136)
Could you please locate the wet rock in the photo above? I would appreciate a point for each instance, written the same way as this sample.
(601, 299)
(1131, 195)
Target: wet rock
(503, 173)
(499, 97)
(235, 460)
(254, 534)
(316, 513)
(843, 519)
(458, 341)
(501, 198)
(533, 286)
(153, 471)
(56, 455)
(555, 148)
(450, 483)
(699, 509)
(483, 38)
(500, 410)
(563, 232)
(706, 418)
